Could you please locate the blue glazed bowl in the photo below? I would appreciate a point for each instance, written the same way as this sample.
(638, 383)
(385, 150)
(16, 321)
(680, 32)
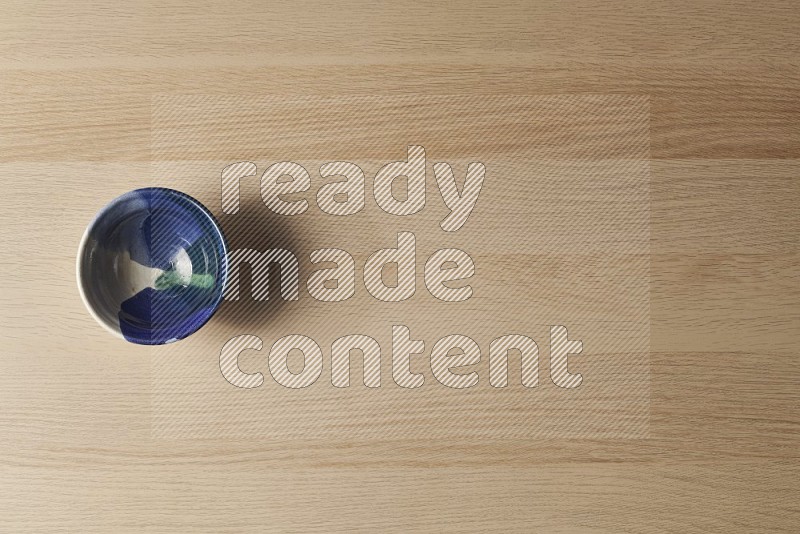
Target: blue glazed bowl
(152, 266)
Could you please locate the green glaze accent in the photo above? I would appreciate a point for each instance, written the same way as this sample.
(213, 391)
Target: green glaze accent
(172, 279)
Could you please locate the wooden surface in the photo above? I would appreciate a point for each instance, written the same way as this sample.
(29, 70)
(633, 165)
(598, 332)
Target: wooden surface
(77, 450)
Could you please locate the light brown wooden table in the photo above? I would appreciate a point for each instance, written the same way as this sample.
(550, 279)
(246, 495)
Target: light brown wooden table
(77, 452)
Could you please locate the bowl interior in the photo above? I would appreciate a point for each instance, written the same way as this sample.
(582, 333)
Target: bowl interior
(152, 266)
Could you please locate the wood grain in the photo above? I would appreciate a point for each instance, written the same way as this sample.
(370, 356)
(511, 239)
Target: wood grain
(77, 85)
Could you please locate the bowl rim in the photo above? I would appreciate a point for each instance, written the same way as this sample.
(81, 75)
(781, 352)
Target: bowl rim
(85, 240)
